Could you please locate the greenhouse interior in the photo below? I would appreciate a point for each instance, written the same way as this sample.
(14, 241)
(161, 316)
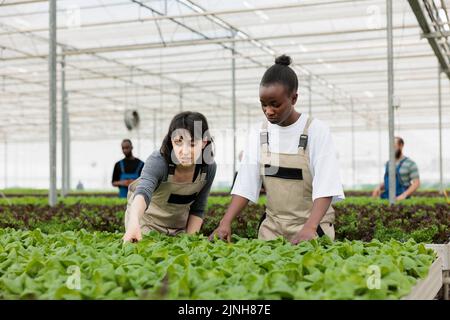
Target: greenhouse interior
(101, 197)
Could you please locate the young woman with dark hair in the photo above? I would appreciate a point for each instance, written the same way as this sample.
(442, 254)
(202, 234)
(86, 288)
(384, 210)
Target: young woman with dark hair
(293, 156)
(172, 192)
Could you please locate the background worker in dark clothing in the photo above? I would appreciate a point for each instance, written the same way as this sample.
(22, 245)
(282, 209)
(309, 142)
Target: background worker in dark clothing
(126, 170)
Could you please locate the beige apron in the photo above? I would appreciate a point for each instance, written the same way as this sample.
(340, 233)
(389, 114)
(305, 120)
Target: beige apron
(288, 182)
(168, 211)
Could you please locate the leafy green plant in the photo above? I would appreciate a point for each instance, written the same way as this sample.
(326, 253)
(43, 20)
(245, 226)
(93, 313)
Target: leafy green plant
(42, 201)
(34, 265)
(422, 219)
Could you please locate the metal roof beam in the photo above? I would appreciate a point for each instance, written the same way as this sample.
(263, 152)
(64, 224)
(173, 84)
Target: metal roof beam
(417, 8)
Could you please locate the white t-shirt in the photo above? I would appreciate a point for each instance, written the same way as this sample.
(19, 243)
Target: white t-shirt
(323, 162)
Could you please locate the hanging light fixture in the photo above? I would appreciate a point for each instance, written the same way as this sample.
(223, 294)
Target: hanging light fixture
(131, 119)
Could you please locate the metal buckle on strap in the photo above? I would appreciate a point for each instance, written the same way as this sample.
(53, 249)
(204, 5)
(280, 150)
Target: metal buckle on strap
(171, 169)
(201, 177)
(202, 173)
(303, 141)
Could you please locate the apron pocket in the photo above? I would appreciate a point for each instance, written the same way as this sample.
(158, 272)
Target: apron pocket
(284, 196)
(181, 199)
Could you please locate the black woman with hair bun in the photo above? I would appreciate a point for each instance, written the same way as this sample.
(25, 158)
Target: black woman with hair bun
(293, 156)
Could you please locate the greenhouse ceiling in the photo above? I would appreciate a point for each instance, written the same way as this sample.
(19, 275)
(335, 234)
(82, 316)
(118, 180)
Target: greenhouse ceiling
(159, 57)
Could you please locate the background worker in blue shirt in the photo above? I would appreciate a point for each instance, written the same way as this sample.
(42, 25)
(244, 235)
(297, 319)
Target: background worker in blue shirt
(126, 170)
(406, 175)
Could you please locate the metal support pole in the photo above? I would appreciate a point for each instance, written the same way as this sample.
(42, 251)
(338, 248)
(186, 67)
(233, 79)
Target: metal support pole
(161, 99)
(181, 98)
(52, 102)
(380, 176)
(154, 130)
(353, 145)
(138, 135)
(63, 127)
(6, 162)
(68, 144)
(233, 89)
(390, 60)
(310, 94)
(441, 176)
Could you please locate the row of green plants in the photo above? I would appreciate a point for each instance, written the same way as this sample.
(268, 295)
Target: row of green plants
(43, 201)
(98, 265)
(422, 219)
(212, 200)
(43, 193)
(429, 193)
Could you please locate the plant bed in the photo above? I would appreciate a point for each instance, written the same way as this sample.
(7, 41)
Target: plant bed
(428, 287)
(83, 265)
(63, 217)
(419, 193)
(443, 251)
(424, 220)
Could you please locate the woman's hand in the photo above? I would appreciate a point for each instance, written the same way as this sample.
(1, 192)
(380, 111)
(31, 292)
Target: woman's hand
(133, 215)
(194, 224)
(305, 234)
(223, 232)
(133, 233)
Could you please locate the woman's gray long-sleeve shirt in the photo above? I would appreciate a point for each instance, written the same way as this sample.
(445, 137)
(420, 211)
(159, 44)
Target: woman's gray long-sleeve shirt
(156, 171)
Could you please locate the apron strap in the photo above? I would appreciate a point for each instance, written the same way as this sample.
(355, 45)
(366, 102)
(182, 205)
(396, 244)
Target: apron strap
(398, 166)
(264, 138)
(141, 164)
(397, 170)
(264, 134)
(122, 167)
(401, 162)
(203, 172)
(303, 141)
(200, 177)
(307, 125)
(171, 172)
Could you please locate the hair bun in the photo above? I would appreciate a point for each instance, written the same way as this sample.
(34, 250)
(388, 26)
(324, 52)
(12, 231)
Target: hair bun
(283, 60)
